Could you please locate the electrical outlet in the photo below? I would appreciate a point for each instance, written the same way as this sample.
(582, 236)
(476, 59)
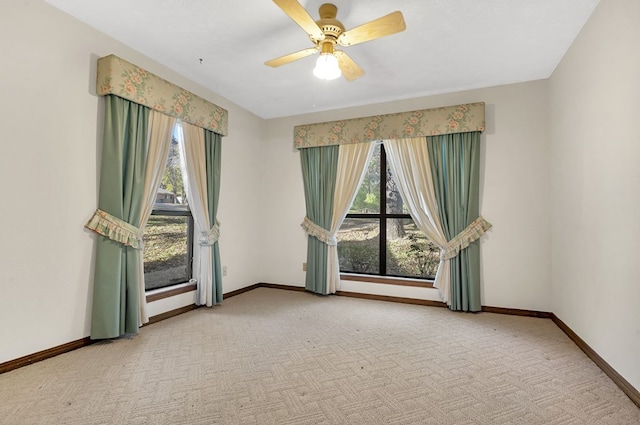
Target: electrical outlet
(304, 267)
(224, 270)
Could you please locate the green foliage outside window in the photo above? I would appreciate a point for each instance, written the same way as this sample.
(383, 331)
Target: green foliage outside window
(406, 252)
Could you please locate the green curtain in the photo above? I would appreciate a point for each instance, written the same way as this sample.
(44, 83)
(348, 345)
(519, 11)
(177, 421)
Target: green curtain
(213, 157)
(455, 164)
(124, 151)
(319, 172)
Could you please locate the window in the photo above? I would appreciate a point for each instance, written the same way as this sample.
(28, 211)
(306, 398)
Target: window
(383, 240)
(168, 235)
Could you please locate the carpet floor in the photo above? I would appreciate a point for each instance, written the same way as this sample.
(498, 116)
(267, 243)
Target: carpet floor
(270, 356)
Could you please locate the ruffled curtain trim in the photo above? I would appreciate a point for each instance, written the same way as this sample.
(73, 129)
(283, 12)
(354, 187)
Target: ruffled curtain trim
(115, 229)
(210, 237)
(320, 233)
(463, 239)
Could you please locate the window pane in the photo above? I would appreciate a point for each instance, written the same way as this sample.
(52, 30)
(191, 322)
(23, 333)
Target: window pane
(359, 246)
(166, 251)
(394, 201)
(409, 252)
(171, 190)
(367, 199)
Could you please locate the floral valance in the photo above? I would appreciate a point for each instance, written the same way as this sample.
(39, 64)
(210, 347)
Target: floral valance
(426, 122)
(121, 78)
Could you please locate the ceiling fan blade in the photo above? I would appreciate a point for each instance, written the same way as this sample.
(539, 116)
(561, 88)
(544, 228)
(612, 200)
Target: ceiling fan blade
(349, 68)
(300, 16)
(283, 60)
(386, 25)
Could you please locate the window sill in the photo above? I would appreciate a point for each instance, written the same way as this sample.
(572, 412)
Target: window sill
(386, 280)
(170, 291)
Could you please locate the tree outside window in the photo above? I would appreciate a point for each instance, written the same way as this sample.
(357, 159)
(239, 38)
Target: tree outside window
(383, 241)
(168, 235)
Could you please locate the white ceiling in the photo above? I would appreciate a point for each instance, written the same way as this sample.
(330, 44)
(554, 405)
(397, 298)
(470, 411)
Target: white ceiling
(449, 45)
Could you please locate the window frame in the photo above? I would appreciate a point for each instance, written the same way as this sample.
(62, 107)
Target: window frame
(382, 216)
(178, 210)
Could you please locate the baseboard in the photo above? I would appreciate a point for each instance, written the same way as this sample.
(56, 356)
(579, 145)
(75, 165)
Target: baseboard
(284, 287)
(74, 345)
(44, 354)
(169, 314)
(415, 301)
(240, 291)
(389, 298)
(516, 312)
(622, 383)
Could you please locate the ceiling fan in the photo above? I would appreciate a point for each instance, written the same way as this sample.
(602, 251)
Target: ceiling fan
(327, 32)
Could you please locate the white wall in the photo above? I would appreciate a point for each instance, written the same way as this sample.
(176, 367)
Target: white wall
(49, 165)
(569, 139)
(514, 190)
(596, 185)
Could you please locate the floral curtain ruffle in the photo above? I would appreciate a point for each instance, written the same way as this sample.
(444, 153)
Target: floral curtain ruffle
(471, 233)
(320, 233)
(210, 237)
(115, 229)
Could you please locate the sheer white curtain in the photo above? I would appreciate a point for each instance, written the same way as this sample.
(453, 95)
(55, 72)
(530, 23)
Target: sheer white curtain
(352, 163)
(409, 163)
(159, 139)
(195, 178)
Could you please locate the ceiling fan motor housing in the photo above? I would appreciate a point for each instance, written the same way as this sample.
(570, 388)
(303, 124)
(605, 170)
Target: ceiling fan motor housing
(330, 26)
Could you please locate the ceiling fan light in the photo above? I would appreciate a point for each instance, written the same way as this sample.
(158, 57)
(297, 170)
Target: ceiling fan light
(327, 67)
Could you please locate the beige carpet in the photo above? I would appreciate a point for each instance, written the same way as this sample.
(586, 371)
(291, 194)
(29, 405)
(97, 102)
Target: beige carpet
(279, 357)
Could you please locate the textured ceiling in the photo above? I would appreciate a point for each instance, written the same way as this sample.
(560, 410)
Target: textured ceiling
(449, 45)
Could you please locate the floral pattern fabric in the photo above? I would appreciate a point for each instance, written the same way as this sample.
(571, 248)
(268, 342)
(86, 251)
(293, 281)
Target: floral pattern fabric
(422, 123)
(211, 236)
(471, 233)
(320, 233)
(121, 78)
(115, 229)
